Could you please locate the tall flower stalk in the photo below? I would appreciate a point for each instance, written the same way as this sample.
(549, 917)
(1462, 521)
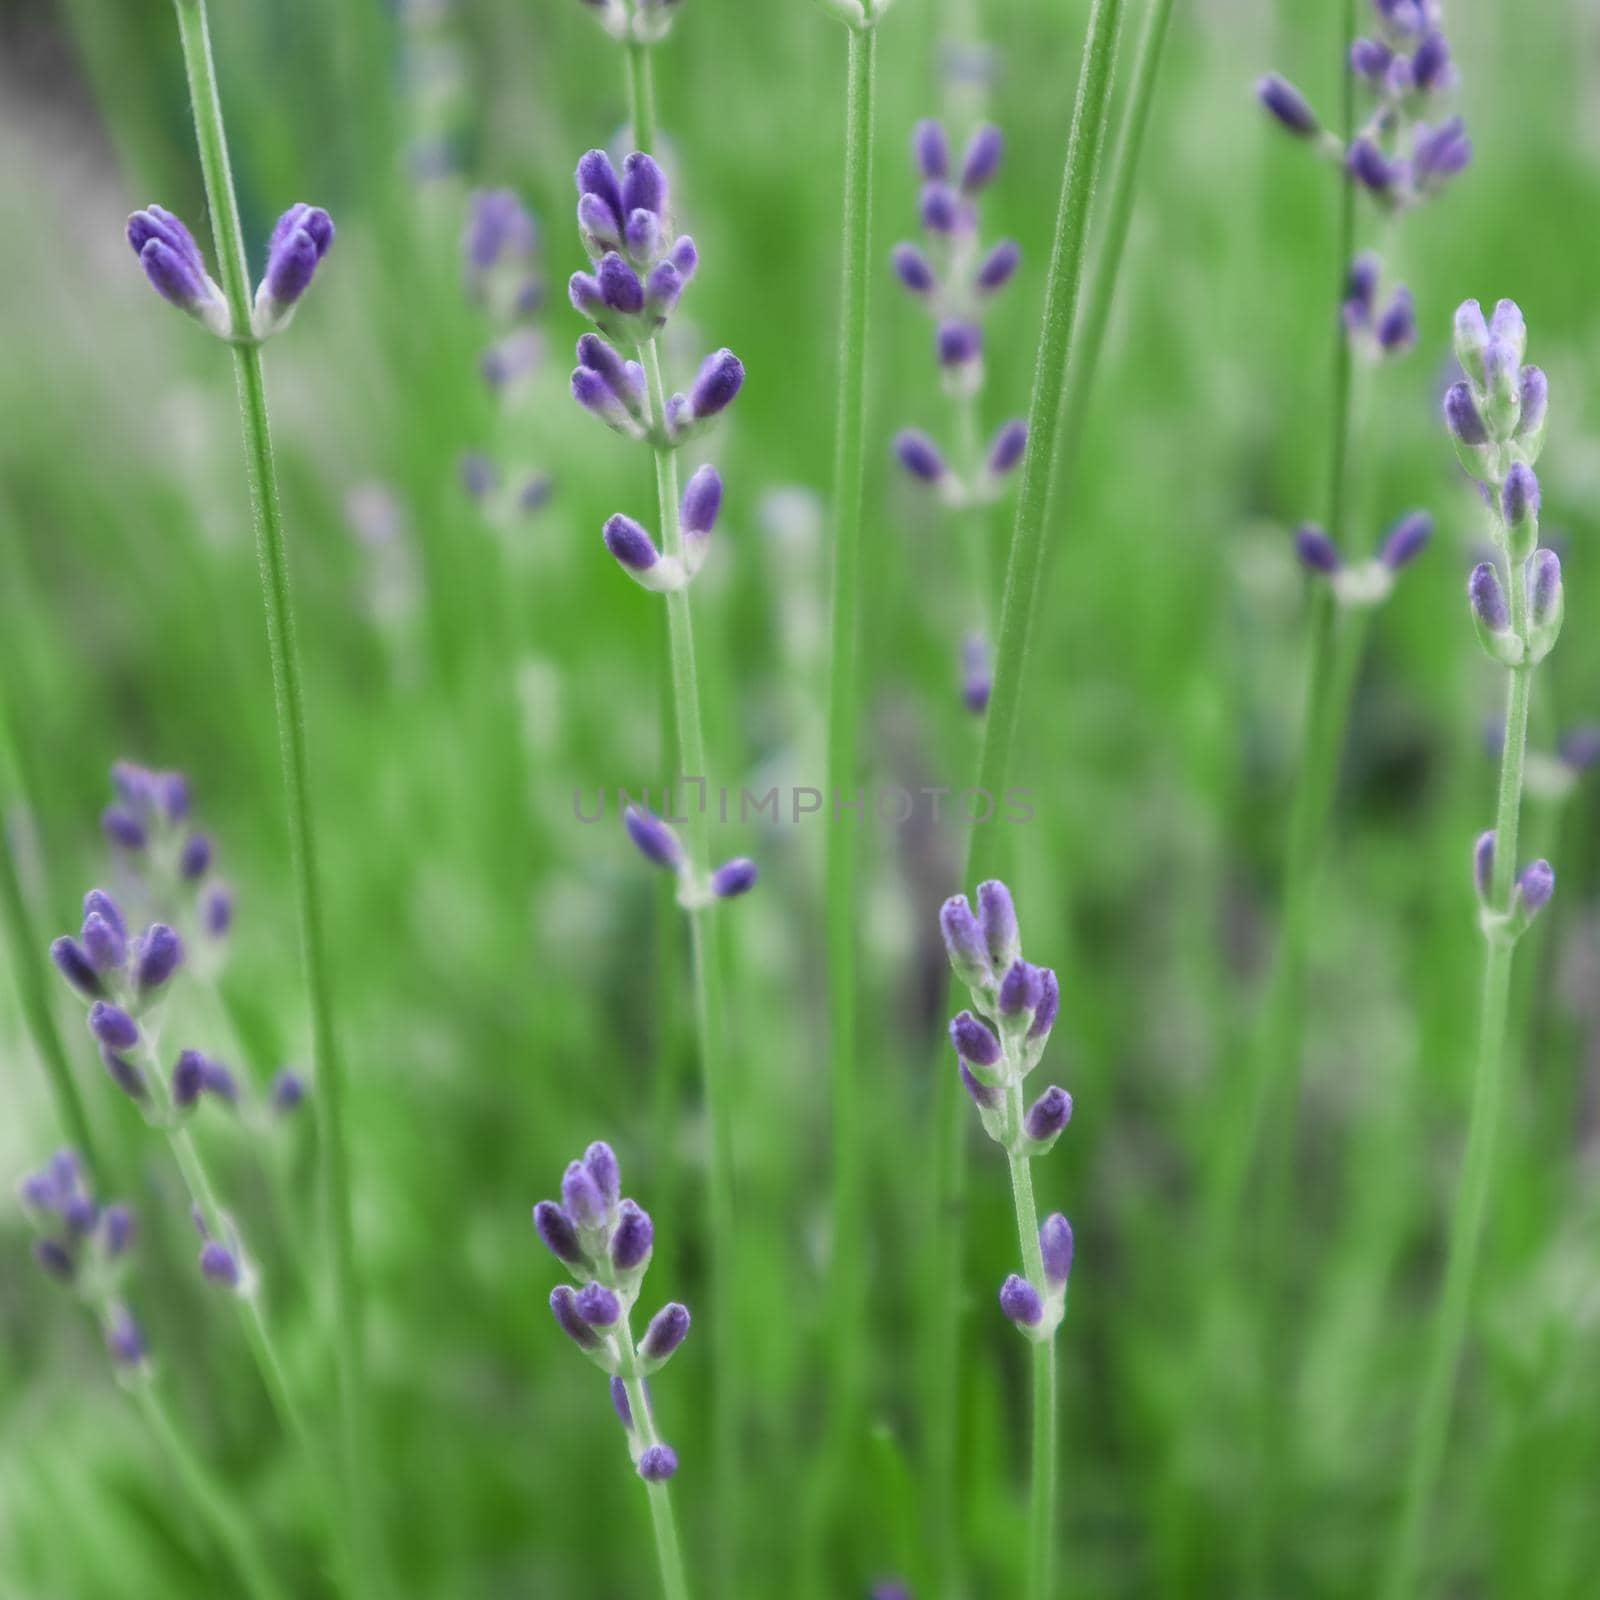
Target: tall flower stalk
(173, 263)
(998, 1044)
(1026, 559)
(1496, 418)
(605, 1242)
(640, 272)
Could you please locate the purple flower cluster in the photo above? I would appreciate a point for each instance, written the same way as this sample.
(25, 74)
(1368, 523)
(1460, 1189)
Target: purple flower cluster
(85, 1246)
(658, 844)
(150, 824)
(1365, 583)
(605, 1242)
(998, 1043)
(176, 269)
(1383, 330)
(1404, 153)
(500, 250)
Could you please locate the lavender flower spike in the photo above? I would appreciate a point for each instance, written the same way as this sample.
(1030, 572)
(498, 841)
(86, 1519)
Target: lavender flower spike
(173, 264)
(656, 841)
(299, 242)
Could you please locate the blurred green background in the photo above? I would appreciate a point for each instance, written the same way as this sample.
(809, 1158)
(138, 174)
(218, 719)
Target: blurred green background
(468, 673)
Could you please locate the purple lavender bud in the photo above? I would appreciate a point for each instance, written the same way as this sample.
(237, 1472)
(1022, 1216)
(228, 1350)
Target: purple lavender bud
(172, 795)
(973, 1040)
(982, 159)
(596, 176)
(964, 943)
(479, 475)
(37, 1192)
(662, 290)
(590, 391)
(74, 964)
(959, 344)
(913, 269)
(66, 1171)
(1007, 447)
(1462, 417)
(105, 947)
(188, 1079)
(642, 235)
(997, 916)
(658, 1463)
(998, 267)
(930, 149)
(124, 1074)
(619, 1402)
(564, 1307)
(98, 903)
(1535, 885)
(560, 1237)
(1049, 1008)
(54, 1258)
(630, 544)
(112, 1026)
(1430, 64)
(119, 1230)
(124, 1342)
(287, 1092)
(1508, 325)
(1580, 747)
(80, 1214)
(685, 257)
(581, 1197)
(219, 1264)
(941, 210)
(497, 225)
(216, 910)
(983, 1096)
(619, 285)
(195, 857)
(1055, 1246)
(644, 185)
(622, 379)
(1020, 989)
(1288, 105)
(919, 455)
(135, 785)
(668, 1329)
(720, 378)
(1369, 59)
(1397, 327)
(702, 500)
(734, 877)
(597, 1305)
(1471, 339)
(597, 226)
(122, 828)
(1369, 167)
(1487, 598)
(583, 290)
(157, 223)
(1407, 539)
(174, 275)
(1360, 287)
(1440, 153)
(656, 841)
(220, 1081)
(601, 1161)
(156, 957)
(1519, 499)
(1020, 1301)
(1483, 864)
(299, 242)
(633, 1237)
(1535, 401)
(1049, 1114)
(1544, 585)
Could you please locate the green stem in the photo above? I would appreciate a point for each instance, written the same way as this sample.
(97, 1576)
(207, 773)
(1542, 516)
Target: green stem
(847, 1289)
(641, 95)
(1483, 1122)
(228, 1527)
(33, 992)
(366, 1550)
(708, 1004)
(669, 1557)
(1025, 562)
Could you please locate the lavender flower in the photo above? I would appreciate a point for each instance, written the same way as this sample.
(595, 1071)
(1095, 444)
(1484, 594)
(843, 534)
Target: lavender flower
(734, 877)
(1285, 102)
(299, 242)
(1406, 540)
(656, 841)
(172, 262)
(605, 1242)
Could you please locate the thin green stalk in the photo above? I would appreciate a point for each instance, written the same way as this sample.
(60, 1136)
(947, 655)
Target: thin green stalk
(32, 981)
(708, 1005)
(367, 1559)
(1472, 1192)
(228, 1527)
(674, 1586)
(1024, 566)
(847, 1288)
(641, 95)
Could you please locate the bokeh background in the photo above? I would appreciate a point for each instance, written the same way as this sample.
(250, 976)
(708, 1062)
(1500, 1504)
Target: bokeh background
(470, 667)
